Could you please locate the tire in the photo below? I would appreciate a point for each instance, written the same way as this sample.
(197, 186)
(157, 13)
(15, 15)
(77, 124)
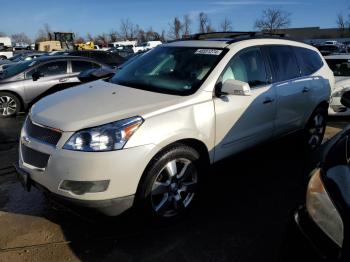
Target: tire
(2, 57)
(170, 184)
(9, 105)
(315, 128)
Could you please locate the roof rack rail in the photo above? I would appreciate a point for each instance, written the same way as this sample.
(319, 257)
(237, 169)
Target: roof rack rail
(235, 35)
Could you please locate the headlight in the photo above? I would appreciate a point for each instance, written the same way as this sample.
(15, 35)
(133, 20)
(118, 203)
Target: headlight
(107, 137)
(322, 210)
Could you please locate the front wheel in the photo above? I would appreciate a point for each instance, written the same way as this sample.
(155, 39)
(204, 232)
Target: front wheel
(170, 184)
(315, 128)
(9, 104)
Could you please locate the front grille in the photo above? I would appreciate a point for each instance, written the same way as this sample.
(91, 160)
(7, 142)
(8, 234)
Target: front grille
(33, 157)
(43, 134)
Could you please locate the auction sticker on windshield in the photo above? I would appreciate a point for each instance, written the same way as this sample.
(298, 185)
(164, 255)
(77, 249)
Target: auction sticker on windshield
(208, 52)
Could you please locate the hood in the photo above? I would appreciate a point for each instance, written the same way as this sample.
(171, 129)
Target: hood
(97, 103)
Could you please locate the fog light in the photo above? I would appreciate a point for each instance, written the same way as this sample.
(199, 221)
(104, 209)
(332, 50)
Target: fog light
(82, 187)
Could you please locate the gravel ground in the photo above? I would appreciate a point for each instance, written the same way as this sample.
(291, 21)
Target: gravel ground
(244, 214)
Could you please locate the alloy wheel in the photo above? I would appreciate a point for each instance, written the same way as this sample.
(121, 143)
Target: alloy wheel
(174, 187)
(8, 106)
(316, 130)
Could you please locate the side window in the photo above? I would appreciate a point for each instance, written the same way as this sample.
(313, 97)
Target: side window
(79, 66)
(309, 60)
(247, 66)
(283, 62)
(53, 68)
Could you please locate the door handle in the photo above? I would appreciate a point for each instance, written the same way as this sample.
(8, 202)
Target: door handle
(63, 80)
(306, 89)
(268, 100)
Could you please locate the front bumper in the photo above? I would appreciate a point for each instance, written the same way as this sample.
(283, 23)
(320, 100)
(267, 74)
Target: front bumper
(322, 244)
(109, 207)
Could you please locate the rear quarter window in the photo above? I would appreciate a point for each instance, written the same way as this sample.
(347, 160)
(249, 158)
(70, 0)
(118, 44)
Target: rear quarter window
(309, 61)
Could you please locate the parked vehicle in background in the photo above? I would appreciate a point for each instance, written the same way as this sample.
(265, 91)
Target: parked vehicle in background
(332, 42)
(25, 56)
(146, 46)
(110, 59)
(331, 49)
(340, 65)
(5, 41)
(6, 50)
(325, 217)
(21, 46)
(122, 43)
(167, 115)
(85, 46)
(27, 81)
(124, 51)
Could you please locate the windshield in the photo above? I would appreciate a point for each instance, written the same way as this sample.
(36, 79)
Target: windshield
(171, 70)
(340, 67)
(16, 69)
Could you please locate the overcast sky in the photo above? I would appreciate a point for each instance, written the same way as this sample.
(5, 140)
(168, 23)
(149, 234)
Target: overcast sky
(97, 16)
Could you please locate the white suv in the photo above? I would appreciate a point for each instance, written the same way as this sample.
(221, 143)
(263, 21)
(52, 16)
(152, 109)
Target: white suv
(144, 137)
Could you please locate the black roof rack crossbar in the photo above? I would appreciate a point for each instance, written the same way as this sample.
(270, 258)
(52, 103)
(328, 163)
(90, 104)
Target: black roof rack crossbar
(235, 35)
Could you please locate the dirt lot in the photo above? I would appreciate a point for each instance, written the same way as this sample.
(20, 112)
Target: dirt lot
(245, 214)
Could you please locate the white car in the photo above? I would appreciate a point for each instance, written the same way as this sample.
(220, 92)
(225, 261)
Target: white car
(146, 46)
(144, 138)
(6, 50)
(340, 65)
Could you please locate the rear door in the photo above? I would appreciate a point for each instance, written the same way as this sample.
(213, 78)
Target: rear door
(310, 62)
(78, 66)
(291, 89)
(54, 73)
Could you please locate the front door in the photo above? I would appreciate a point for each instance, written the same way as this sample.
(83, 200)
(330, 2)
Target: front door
(52, 74)
(244, 121)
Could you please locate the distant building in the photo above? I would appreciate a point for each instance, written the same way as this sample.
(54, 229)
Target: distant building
(316, 34)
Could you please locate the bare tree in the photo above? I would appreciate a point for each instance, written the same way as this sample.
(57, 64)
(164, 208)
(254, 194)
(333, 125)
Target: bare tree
(187, 25)
(102, 39)
(226, 25)
(175, 29)
(128, 30)
(113, 36)
(21, 38)
(44, 34)
(48, 32)
(162, 36)
(79, 40)
(89, 37)
(204, 23)
(341, 23)
(141, 36)
(272, 20)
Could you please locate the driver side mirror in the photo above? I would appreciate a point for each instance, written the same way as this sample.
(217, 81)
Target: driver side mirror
(234, 87)
(37, 75)
(345, 99)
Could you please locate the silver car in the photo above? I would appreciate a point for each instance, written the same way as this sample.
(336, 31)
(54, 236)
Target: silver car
(26, 82)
